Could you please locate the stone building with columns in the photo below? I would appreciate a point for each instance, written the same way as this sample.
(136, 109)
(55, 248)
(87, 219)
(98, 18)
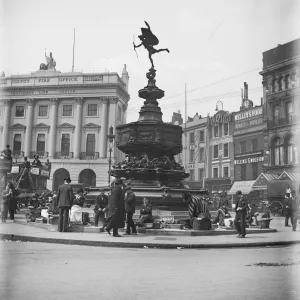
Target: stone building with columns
(281, 103)
(64, 117)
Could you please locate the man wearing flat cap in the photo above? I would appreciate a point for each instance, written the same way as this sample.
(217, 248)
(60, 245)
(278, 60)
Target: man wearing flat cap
(64, 202)
(241, 212)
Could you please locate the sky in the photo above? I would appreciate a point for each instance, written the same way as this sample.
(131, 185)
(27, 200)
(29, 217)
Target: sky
(215, 46)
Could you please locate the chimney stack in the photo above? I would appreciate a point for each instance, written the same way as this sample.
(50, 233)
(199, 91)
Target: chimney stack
(242, 96)
(245, 91)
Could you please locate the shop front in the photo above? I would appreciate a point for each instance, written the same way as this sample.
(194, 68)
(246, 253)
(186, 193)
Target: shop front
(261, 185)
(246, 188)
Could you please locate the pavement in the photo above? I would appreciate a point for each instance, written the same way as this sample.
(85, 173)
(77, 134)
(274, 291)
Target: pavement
(21, 231)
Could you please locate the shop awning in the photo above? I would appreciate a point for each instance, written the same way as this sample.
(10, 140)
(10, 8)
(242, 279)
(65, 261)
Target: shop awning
(244, 186)
(289, 176)
(261, 183)
(277, 188)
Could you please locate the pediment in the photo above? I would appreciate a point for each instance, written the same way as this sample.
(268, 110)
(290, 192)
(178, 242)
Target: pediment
(18, 126)
(66, 127)
(91, 127)
(42, 127)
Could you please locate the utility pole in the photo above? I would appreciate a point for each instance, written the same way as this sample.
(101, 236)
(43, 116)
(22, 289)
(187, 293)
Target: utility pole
(185, 134)
(73, 51)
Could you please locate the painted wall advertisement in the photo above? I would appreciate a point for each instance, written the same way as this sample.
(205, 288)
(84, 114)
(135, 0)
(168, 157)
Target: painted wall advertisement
(247, 121)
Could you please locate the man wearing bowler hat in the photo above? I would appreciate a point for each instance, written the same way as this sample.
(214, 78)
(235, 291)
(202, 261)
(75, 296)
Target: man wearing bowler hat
(241, 212)
(64, 202)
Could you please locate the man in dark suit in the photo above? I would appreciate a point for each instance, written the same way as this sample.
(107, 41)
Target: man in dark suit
(116, 209)
(100, 207)
(64, 202)
(287, 207)
(26, 164)
(241, 211)
(130, 209)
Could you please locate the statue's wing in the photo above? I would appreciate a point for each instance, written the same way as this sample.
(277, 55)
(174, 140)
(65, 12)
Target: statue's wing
(149, 36)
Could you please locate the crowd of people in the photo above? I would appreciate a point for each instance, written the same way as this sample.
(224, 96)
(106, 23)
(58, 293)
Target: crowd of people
(111, 210)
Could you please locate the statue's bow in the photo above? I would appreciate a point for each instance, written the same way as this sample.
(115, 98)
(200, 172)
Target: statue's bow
(134, 47)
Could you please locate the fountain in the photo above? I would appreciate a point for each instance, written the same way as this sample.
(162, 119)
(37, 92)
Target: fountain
(150, 144)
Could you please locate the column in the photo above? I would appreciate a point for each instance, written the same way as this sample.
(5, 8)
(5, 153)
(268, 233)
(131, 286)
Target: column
(78, 127)
(52, 135)
(6, 119)
(28, 134)
(104, 126)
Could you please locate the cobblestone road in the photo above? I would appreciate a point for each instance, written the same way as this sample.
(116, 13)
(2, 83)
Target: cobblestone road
(52, 271)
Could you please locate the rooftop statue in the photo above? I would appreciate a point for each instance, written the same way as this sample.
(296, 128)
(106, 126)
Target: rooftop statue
(148, 40)
(51, 63)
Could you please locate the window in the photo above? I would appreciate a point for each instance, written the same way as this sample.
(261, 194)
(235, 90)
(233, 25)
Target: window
(201, 154)
(289, 150)
(254, 145)
(43, 110)
(67, 110)
(289, 112)
(65, 144)
(90, 144)
(20, 111)
(277, 153)
(92, 110)
(254, 170)
(216, 151)
(276, 114)
(202, 138)
(226, 129)
(279, 84)
(226, 150)
(192, 138)
(192, 155)
(17, 146)
(215, 172)
(287, 82)
(201, 174)
(40, 143)
(243, 147)
(226, 171)
(119, 113)
(192, 175)
(216, 131)
(243, 172)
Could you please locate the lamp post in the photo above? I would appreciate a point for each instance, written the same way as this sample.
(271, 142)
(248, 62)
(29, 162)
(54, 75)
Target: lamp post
(219, 102)
(110, 138)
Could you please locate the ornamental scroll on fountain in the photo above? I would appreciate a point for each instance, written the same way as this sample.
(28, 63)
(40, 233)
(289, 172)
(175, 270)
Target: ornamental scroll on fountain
(150, 144)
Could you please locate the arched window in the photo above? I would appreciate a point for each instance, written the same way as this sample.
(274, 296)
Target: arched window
(289, 157)
(277, 152)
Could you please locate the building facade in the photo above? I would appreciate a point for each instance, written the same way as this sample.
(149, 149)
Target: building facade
(281, 101)
(248, 140)
(193, 156)
(220, 154)
(64, 117)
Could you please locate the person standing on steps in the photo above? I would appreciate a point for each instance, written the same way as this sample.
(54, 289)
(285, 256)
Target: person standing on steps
(129, 209)
(241, 212)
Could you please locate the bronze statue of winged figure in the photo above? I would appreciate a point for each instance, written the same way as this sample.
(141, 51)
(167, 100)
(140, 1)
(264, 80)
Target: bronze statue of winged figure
(148, 40)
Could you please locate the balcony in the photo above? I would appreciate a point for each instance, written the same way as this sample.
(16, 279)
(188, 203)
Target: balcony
(41, 154)
(63, 155)
(17, 154)
(89, 156)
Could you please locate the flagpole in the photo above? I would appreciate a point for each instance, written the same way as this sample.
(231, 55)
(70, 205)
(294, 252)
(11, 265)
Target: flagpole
(73, 51)
(185, 135)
